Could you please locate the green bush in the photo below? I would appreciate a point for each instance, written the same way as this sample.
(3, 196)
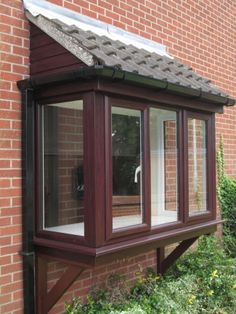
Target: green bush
(202, 281)
(226, 192)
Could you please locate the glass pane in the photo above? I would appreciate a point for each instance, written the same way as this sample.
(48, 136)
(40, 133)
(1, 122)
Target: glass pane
(63, 194)
(164, 160)
(127, 199)
(197, 166)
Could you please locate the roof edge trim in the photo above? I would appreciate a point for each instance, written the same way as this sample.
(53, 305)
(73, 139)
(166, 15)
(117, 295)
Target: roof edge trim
(119, 75)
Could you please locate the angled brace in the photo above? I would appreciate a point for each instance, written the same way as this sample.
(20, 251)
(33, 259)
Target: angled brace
(46, 299)
(164, 263)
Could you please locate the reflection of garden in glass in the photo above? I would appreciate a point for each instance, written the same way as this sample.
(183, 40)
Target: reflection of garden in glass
(127, 207)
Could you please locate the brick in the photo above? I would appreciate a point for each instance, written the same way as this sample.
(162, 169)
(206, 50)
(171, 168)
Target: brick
(5, 28)
(5, 260)
(89, 13)
(6, 10)
(11, 40)
(15, 4)
(16, 239)
(11, 76)
(199, 36)
(4, 124)
(14, 248)
(105, 5)
(11, 306)
(17, 277)
(97, 9)
(10, 269)
(18, 295)
(4, 299)
(13, 58)
(73, 7)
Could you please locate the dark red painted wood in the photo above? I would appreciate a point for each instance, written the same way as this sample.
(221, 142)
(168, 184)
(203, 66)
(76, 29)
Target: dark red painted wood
(41, 284)
(46, 51)
(129, 92)
(94, 167)
(184, 162)
(46, 299)
(160, 258)
(72, 92)
(39, 189)
(210, 163)
(145, 226)
(180, 150)
(212, 170)
(87, 257)
(69, 276)
(159, 96)
(47, 56)
(164, 263)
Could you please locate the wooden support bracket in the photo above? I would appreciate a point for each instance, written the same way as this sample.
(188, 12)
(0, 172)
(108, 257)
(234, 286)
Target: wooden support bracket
(163, 263)
(46, 299)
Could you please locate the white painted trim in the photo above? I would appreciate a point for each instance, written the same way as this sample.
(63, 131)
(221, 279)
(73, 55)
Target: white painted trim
(69, 17)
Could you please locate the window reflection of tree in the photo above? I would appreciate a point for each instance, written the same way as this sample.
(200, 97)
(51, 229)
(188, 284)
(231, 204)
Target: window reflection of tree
(126, 153)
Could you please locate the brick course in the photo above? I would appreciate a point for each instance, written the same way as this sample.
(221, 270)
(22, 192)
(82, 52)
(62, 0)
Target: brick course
(199, 33)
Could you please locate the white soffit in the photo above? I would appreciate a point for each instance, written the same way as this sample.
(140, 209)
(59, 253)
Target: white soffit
(69, 17)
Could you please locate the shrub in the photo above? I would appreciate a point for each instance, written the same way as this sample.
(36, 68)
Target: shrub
(202, 281)
(226, 192)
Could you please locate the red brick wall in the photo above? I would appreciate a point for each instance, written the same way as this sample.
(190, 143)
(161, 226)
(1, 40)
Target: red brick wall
(199, 33)
(14, 53)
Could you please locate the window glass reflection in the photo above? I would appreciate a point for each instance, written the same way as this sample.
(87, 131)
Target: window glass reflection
(127, 199)
(197, 166)
(164, 160)
(63, 194)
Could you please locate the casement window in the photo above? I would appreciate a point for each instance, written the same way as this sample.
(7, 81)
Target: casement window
(112, 172)
(62, 155)
(200, 171)
(156, 176)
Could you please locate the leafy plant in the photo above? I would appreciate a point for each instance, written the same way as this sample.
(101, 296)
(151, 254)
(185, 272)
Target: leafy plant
(226, 192)
(202, 282)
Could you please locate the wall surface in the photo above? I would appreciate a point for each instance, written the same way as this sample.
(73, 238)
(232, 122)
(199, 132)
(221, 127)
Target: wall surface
(199, 33)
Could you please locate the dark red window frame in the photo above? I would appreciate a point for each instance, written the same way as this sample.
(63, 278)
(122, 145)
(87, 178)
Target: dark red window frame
(97, 154)
(145, 226)
(210, 166)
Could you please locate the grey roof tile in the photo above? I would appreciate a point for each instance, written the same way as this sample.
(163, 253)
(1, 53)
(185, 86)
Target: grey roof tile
(116, 54)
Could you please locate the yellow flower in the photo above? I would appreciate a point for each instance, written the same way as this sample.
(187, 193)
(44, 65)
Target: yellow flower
(234, 286)
(215, 274)
(191, 299)
(210, 292)
(141, 280)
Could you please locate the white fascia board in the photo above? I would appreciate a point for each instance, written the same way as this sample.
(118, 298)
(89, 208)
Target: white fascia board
(69, 17)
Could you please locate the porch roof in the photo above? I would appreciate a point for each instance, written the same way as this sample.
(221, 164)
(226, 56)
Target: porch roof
(142, 65)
